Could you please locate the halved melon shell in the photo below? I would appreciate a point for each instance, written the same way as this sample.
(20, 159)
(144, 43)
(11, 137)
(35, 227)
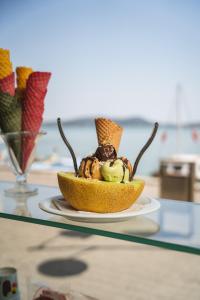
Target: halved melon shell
(98, 196)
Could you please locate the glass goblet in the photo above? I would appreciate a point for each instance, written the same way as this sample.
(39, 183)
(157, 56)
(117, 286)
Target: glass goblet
(21, 147)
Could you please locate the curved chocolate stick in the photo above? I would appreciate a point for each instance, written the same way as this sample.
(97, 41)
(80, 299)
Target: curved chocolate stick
(148, 143)
(68, 145)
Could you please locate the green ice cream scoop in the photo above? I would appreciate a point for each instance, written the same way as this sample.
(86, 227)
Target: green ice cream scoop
(115, 171)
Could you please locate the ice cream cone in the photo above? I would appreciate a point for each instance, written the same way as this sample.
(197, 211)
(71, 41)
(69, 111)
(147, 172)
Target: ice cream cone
(33, 109)
(5, 63)
(31, 121)
(23, 74)
(4, 54)
(10, 119)
(108, 132)
(7, 84)
(40, 80)
(5, 69)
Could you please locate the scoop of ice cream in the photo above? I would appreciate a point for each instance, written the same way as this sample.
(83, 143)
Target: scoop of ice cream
(105, 152)
(127, 164)
(115, 171)
(90, 168)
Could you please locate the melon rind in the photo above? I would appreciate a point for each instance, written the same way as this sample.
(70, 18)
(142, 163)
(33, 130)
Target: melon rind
(98, 196)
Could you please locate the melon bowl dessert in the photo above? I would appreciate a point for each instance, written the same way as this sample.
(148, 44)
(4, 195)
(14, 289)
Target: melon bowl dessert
(98, 196)
(104, 182)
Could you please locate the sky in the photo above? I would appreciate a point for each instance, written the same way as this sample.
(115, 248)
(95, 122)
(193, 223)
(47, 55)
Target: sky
(116, 58)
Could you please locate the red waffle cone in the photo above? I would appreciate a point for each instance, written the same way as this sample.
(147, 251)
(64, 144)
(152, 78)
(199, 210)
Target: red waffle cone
(7, 84)
(33, 109)
(39, 80)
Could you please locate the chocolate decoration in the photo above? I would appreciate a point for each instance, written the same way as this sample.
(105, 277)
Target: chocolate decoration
(125, 161)
(144, 148)
(105, 152)
(127, 165)
(68, 145)
(91, 165)
(92, 158)
(112, 162)
(124, 171)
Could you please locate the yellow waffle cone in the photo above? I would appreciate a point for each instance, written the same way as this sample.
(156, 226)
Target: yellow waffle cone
(108, 132)
(5, 69)
(5, 64)
(4, 55)
(23, 74)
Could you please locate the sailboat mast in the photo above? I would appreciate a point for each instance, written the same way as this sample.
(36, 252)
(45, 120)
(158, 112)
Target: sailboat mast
(178, 118)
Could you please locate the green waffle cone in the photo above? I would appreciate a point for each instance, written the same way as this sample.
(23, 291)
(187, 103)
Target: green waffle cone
(10, 120)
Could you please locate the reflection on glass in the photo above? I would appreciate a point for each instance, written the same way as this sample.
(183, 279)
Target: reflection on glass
(175, 226)
(177, 223)
(142, 226)
(21, 202)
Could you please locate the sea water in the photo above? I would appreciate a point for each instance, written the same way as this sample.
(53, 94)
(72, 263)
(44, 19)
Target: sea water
(84, 142)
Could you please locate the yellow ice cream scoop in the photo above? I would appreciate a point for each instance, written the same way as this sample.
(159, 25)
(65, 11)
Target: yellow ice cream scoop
(23, 74)
(115, 171)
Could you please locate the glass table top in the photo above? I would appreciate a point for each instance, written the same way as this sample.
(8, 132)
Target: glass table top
(175, 226)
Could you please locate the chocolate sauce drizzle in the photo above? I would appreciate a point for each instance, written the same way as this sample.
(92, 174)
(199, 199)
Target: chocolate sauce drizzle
(112, 162)
(148, 143)
(92, 158)
(124, 171)
(68, 146)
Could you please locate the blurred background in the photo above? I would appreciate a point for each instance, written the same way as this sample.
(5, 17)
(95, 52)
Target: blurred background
(136, 62)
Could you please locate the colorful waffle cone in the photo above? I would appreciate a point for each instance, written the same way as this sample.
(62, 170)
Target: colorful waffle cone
(5, 63)
(23, 74)
(10, 119)
(33, 104)
(5, 69)
(108, 132)
(4, 55)
(7, 84)
(32, 119)
(40, 80)
(33, 109)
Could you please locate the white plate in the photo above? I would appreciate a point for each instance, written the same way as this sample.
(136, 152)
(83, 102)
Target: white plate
(58, 206)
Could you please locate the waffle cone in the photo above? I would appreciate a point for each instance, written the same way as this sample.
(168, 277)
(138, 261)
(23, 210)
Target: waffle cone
(40, 80)
(33, 104)
(33, 109)
(7, 84)
(32, 117)
(5, 69)
(23, 74)
(108, 132)
(4, 55)
(10, 119)
(5, 63)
